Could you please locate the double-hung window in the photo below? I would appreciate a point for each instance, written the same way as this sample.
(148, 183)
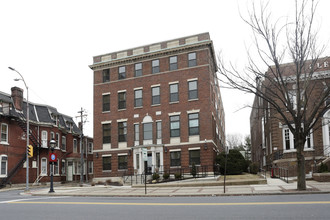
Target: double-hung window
(159, 129)
(155, 66)
(174, 92)
(122, 131)
(192, 90)
(4, 133)
(173, 63)
(193, 124)
(44, 139)
(147, 131)
(122, 162)
(44, 166)
(136, 132)
(138, 98)
(138, 69)
(106, 129)
(175, 126)
(106, 75)
(192, 59)
(106, 163)
(75, 146)
(63, 143)
(155, 93)
(194, 157)
(106, 103)
(122, 100)
(3, 165)
(175, 158)
(122, 72)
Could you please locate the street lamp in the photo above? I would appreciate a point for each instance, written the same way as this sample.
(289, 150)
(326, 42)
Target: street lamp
(52, 144)
(27, 127)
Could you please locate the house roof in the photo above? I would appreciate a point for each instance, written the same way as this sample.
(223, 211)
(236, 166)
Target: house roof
(41, 114)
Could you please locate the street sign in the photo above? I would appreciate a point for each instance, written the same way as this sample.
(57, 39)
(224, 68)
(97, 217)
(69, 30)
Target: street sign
(52, 157)
(144, 154)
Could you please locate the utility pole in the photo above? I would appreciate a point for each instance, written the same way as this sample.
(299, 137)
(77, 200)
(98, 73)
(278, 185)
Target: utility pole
(81, 147)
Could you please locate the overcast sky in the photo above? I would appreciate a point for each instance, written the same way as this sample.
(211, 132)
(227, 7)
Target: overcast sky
(51, 43)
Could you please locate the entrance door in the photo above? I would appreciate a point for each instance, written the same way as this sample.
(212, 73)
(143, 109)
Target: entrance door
(69, 176)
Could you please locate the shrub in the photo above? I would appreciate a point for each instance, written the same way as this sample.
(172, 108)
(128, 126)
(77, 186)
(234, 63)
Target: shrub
(236, 164)
(155, 176)
(193, 170)
(177, 176)
(323, 168)
(166, 176)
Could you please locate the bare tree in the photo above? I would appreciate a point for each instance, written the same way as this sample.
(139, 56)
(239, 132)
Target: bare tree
(234, 140)
(296, 91)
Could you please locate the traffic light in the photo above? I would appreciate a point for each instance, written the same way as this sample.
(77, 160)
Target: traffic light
(30, 150)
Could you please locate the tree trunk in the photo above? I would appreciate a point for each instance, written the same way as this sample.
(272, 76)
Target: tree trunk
(301, 181)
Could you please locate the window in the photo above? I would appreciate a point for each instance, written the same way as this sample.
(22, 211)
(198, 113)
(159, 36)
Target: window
(90, 147)
(175, 126)
(44, 139)
(193, 124)
(175, 158)
(155, 66)
(136, 132)
(159, 129)
(138, 98)
(3, 165)
(137, 161)
(106, 163)
(147, 131)
(138, 69)
(106, 75)
(174, 92)
(122, 72)
(56, 169)
(106, 103)
(122, 162)
(63, 167)
(122, 131)
(106, 128)
(192, 59)
(44, 166)
(122, 100)
(90, 167)
(193, 90)
(155, 93)
(63, 143)
(194, 157)
(289, 140)
(57, 140)
(4, 133)
(52, 136)
(75, 146)
(173, 63)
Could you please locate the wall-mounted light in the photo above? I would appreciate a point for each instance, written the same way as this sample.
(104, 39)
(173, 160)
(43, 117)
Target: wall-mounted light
(97, 155)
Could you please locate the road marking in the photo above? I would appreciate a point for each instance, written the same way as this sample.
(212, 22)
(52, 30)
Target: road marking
(29, 199)
(174, 204)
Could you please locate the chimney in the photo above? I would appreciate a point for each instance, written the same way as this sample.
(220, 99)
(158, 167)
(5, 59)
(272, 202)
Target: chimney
(17, 96)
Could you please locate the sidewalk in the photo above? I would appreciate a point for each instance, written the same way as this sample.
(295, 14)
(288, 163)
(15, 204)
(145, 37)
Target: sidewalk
(273, 187)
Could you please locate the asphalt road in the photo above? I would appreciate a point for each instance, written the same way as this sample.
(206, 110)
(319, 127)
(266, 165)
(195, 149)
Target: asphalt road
(314, 206)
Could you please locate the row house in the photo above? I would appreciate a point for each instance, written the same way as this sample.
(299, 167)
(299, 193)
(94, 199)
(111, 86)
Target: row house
(162, 97)
(46, 123)
(273, 142)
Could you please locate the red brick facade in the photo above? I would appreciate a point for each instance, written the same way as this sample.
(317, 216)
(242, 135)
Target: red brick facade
(268, 132)
(45, 123)
(207, 105)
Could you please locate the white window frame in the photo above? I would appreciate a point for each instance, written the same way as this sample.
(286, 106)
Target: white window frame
(43, 170)
(90, 167)
(44, 139)
(57, 139)
(63, 145)
(1, 140)
(6, 164)
(75, 145)
(291, 138)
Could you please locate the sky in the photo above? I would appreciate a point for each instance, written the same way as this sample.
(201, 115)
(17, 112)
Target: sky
(52, 43)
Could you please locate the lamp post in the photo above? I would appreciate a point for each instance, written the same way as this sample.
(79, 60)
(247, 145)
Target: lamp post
(27, 127)
(52, 144)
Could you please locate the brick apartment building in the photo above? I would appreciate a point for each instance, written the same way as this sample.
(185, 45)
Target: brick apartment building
(46, 123)
(163, 97)
(272, 141)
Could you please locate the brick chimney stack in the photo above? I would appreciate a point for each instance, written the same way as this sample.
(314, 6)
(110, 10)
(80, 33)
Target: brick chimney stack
(17, 96)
